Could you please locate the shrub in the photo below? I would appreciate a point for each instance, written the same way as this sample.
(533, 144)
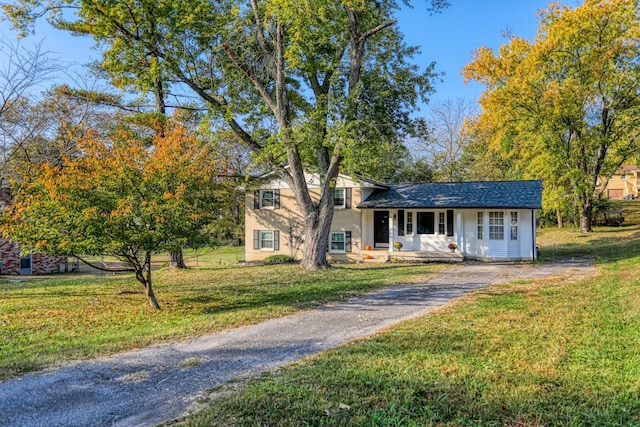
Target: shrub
(278, 259)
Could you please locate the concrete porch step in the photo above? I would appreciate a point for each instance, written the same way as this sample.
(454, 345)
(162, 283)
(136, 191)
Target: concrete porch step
(427, 256)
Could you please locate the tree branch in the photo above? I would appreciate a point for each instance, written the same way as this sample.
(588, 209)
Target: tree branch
(111, 270)
(251, 76)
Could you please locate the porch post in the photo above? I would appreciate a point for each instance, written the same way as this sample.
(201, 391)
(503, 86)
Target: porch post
(392, 217)
(459, 231)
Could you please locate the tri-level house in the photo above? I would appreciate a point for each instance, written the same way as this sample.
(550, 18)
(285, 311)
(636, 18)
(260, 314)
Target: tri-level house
(490, 221)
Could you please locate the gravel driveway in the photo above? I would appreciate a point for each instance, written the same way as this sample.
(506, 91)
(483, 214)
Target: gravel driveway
(155, 384)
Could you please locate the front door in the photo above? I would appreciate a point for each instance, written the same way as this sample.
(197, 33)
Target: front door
(380, 229)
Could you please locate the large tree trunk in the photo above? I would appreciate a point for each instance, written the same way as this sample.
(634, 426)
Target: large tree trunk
(585, 216)
(559, 218)
(316, 240)
(176, 259)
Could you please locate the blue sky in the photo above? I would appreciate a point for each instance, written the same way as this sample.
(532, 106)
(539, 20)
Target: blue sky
(448, 38)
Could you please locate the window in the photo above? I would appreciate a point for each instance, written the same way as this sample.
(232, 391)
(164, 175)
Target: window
(338, 198)
(266, 199)
(441, 223)
(337, 242)
(425, 222)
(268, 240)
(623, 176)
(480, 224)
(409, 222)
(25, 262)
(514, 225)
(496, 225)
(340, 242)
(342, 198)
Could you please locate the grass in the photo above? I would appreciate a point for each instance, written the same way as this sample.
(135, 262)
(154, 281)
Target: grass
(605, 244)
(530, 353)
(44, 322)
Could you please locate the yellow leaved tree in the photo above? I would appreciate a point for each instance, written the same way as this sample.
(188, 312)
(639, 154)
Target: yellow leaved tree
(565, 107)
(122, 196)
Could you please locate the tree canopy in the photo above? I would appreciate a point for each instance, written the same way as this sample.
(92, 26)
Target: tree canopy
(566, 107)
(122, 197)
(311, 86)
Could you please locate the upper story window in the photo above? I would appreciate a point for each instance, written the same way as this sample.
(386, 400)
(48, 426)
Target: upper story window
(338, 198)
(342, 198)
(623, 176)
(266, 199)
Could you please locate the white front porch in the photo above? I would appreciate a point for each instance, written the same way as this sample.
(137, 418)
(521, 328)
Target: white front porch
(383, 229)
(385, 255)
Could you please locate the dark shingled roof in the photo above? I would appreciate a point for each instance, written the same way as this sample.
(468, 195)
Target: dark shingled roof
(489, 194)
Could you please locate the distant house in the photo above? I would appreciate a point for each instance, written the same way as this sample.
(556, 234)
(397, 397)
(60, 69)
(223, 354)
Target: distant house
(624, 183)
(13, 262)
(485, 220)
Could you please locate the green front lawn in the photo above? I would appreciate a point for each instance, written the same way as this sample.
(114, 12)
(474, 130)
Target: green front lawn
(536, 353)
(48, 321)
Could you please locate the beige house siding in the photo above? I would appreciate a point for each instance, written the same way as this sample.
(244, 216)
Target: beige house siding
(288, 221)
(624, 183)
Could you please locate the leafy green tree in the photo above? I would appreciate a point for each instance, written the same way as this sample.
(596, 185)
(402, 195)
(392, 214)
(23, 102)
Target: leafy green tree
(310, 86)
(120, 197)
(565, 108)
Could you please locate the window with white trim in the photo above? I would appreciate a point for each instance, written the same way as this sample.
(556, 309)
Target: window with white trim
(496, 225)
(440, 222)
(514, 226)
(266, 240)
(409, 223)
(480, 225)
(266, 199)
(337, 243)
(338, 198)
(425, 222)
